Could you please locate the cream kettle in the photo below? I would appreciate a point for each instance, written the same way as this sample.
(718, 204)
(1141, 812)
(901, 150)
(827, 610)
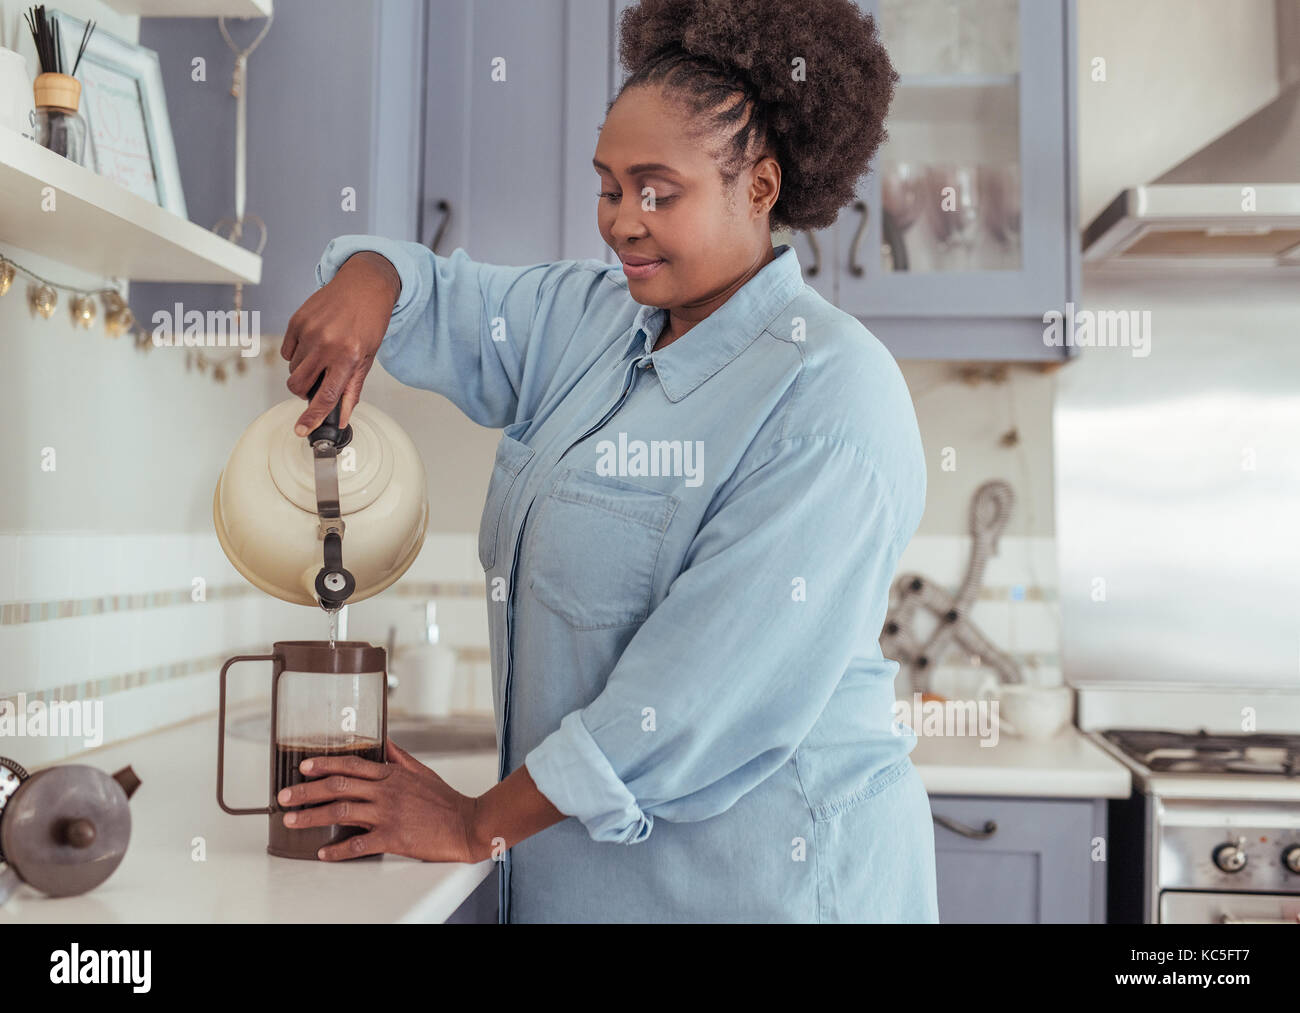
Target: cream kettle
(328, 519)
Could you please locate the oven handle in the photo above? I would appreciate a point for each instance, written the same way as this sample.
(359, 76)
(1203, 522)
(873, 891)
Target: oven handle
(1227, 919)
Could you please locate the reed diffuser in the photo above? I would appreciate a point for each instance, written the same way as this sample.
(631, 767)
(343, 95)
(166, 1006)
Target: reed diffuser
(59, 125)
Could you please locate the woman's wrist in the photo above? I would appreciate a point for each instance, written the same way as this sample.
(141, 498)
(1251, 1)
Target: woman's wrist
(380, 266)
(509, 812)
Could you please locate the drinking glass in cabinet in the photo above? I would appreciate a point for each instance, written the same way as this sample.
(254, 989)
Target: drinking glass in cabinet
(902, 195)
(954, 214)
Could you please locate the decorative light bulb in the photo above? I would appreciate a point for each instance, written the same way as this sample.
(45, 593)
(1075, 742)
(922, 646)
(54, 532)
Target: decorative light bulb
(42, 299)
(83, 311)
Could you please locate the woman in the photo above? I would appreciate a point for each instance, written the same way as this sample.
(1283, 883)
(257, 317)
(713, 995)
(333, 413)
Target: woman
(706, 478)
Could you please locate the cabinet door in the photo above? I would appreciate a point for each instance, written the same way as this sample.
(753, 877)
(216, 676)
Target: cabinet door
(1036, 867)
(964, 214)
(494, 134)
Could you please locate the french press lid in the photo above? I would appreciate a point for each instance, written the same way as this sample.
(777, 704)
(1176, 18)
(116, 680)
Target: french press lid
(63, 830)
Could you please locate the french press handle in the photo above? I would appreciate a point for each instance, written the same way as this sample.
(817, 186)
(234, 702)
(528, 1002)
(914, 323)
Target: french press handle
(329, 429)
(221, 740)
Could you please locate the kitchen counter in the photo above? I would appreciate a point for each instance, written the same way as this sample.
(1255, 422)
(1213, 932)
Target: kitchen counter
(174, 812)
(1067, 766)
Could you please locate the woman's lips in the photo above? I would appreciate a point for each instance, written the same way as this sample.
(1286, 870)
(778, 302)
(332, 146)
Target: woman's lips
(640, 272)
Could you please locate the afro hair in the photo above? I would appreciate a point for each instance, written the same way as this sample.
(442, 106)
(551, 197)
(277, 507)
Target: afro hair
(813, 79)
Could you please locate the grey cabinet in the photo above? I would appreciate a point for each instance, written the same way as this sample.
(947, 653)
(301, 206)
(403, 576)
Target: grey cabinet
(515, 95)
(1036, 866)
(964, 233)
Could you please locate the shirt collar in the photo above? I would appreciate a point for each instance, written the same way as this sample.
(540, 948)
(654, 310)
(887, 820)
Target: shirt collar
(717, 339)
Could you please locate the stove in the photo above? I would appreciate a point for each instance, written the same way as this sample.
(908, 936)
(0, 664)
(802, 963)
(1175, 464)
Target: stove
(1211, 832)
(1203, 753)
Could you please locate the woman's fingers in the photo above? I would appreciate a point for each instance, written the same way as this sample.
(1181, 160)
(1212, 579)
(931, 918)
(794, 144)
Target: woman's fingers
(348, 813)
(329, 394)
(373, 843)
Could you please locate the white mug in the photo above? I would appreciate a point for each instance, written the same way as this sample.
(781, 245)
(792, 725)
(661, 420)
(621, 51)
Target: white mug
(1035, 713)
(17, 102)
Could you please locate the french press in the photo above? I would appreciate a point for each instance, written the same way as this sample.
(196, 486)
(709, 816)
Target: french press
(324, 701)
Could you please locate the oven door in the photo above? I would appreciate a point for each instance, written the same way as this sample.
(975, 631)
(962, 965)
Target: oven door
(1194, 907)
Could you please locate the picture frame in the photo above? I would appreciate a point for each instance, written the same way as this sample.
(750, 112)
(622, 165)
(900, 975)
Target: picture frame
(122, 99)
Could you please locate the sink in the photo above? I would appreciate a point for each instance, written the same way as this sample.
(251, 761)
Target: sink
(459, 733)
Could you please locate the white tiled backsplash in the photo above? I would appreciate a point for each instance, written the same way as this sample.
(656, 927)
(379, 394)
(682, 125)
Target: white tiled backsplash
(112, 618)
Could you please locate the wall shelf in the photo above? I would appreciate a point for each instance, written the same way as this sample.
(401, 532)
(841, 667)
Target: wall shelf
(105, 229)
(193, 8)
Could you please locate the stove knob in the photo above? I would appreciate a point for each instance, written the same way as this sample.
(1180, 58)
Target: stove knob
(1291, 858)
(1231, 857)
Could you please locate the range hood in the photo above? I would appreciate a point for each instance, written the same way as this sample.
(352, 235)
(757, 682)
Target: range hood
(1235, 202)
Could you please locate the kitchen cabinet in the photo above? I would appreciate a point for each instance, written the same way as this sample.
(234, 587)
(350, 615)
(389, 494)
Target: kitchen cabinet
(1035, 866)
(964, 235)
(515, 97)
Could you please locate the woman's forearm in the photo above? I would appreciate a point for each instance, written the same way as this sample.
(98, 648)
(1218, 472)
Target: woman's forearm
(508, 813)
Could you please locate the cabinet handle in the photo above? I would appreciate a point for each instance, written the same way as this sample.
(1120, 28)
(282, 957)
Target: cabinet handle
(445, 208)
(854, 267)
(816, 265)
(990, 828)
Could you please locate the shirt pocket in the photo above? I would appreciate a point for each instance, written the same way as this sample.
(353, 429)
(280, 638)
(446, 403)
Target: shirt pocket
(595, 548)
(510, 460)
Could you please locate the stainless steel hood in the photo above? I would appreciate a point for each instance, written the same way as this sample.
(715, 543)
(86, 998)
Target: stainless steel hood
(1234, 202)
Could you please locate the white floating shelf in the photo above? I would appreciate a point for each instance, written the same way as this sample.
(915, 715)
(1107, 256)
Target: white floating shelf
(193, 8)
(101, 227)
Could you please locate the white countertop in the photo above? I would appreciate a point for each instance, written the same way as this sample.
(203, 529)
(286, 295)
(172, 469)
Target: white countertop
(159, 879)
(1067, 766)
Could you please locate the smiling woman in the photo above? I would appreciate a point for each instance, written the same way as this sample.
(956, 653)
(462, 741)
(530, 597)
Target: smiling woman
(685, 646)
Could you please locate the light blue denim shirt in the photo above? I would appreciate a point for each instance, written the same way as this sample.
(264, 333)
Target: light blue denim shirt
(688, 555)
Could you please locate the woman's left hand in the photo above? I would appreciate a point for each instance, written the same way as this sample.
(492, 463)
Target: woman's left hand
(408, 809)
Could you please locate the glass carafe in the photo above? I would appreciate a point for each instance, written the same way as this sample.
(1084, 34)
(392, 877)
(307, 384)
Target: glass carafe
(324, 701)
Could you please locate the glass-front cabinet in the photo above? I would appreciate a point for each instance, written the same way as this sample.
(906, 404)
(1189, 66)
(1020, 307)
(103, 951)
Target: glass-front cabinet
(962, 239)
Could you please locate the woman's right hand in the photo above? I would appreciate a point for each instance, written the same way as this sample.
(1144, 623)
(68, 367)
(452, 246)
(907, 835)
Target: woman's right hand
(337, 331)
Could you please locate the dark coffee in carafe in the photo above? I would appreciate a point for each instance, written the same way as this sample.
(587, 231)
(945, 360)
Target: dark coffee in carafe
(290, 842)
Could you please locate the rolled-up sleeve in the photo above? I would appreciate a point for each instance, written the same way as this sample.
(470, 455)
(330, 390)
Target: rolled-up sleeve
(460, 327)
(785, 583)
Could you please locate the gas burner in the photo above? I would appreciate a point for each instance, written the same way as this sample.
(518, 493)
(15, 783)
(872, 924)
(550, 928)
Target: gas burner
(1203, 753)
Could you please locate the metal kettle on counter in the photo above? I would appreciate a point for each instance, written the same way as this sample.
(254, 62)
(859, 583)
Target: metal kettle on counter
(329, 519)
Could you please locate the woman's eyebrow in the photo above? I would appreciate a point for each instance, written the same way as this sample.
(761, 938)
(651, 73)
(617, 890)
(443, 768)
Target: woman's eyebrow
(639, 169)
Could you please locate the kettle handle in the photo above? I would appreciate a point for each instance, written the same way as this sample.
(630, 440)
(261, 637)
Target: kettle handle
(329, 429)
(221, 738)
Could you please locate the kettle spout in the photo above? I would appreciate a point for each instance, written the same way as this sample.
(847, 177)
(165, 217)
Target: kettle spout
(127, 778)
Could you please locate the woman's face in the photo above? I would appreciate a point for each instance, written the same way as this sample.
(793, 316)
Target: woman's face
(707, 242)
